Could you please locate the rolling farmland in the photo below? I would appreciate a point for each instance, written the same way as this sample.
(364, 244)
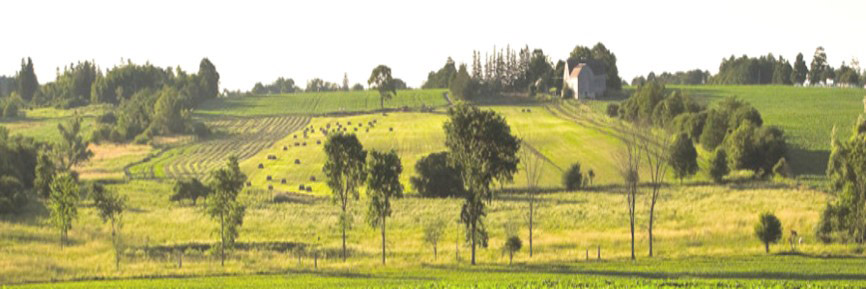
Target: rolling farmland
(242, 137)
(319, 103)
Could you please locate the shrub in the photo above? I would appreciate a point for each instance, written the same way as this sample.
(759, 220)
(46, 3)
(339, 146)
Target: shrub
(715, 129)
(513, 244)
(436, 178)
(612, 110)
(768, 230)
(719, 165)
(684, 158)
(573, 178)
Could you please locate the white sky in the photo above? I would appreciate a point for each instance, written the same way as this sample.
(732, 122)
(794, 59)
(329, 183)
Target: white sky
(252, 41)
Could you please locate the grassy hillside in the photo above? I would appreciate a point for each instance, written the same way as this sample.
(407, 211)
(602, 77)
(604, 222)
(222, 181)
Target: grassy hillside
(807, 114)
(241, 137)
(316, 103)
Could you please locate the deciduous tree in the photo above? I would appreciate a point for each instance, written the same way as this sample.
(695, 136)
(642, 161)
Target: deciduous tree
(383, 184)
(383, 81)
(63, 203)
(346, 170)
(110, 207)
(223, 205)
(684, 157)
(768, 230)
(481, 144)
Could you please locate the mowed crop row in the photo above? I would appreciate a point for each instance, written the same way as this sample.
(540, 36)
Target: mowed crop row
(319, 103)
(241, 137)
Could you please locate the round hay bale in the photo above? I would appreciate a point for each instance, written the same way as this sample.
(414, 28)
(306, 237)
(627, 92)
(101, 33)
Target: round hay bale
(270, 187)
(309, 189)
(283, 181)
(249, 184)
(285, 148)
(261, 166)
(312, 178)
(301, 187)
(296, 136)
(318, 142)
(390, 129)
(304, 144)
(269, 178)
(297, 161)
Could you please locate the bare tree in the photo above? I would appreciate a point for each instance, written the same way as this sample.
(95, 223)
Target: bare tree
(533, 166)
(656, 151)
(629, 160)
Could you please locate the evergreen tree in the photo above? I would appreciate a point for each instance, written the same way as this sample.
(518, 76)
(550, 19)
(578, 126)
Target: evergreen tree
(684, 157)
(27, 82)
(798, 76)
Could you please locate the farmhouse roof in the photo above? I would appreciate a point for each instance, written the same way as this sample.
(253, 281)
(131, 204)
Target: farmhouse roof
(575, 66)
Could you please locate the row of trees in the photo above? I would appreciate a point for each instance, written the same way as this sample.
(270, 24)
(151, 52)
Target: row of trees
(524, 70)
(691, 77)
(287, 85)
(768, 69)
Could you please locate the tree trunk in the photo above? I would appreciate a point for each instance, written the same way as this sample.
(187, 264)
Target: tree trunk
(631, 224)
(472, 228)
(531, 214)
(767, 247)
(434, 251)
(652, 215)
(344, 240)
(510, 256)
(383, 240)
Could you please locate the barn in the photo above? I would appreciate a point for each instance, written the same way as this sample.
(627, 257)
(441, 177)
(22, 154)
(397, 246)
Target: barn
(580, 80)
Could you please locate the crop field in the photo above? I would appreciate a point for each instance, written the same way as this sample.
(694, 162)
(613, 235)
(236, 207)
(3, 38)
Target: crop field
(242, 137)
(318, 103)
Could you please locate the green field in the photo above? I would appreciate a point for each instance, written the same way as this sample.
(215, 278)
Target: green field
(318, 103)
(746, 272)
(807, 114)
(703, 232)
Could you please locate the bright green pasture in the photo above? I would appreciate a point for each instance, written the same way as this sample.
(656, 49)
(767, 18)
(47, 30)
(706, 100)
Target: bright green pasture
(742, 272)
(316, 103)
(41, 123)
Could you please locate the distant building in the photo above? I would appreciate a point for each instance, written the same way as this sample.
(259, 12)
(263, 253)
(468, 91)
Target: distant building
(583, 80)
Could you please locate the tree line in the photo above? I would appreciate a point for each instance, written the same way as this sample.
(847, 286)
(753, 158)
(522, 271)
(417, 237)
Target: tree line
(287, 85)
(507, 70)
(768, 69)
